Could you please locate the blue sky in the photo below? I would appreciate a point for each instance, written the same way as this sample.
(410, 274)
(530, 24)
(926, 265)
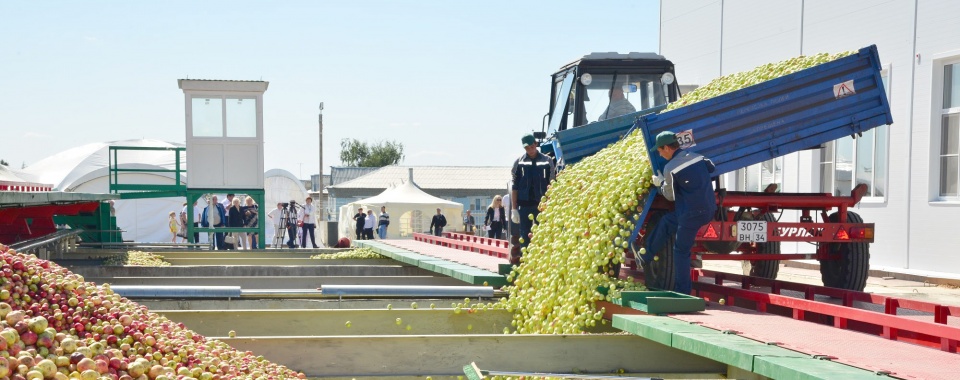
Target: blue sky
(457, 83)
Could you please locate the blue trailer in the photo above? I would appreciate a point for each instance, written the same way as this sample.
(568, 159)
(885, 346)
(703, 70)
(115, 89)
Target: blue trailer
(795, 112)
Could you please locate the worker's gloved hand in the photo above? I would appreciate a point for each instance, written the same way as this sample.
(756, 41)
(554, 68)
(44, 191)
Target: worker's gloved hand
(515, 216)
(656, 180)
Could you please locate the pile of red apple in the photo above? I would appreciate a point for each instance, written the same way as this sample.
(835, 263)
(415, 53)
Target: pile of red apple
(53, 325)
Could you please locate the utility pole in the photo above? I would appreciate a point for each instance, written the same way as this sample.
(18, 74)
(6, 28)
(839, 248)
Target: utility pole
(320, 187)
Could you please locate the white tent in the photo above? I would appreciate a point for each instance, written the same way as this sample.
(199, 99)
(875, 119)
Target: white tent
(410, 209)
(280, 186)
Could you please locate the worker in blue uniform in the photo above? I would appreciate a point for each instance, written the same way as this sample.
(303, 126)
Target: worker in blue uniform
(532, 173)
(685, 180)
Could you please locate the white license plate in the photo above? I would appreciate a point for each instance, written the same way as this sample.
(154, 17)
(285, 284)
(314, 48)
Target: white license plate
(752, 231)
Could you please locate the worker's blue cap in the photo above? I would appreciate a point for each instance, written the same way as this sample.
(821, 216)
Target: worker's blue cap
(528, 140)
(666, 138)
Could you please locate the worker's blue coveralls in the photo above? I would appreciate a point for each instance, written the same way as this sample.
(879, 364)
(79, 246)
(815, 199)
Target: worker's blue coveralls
(530, 179)
(686, 181)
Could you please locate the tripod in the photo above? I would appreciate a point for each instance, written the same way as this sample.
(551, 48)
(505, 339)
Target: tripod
(287, 219)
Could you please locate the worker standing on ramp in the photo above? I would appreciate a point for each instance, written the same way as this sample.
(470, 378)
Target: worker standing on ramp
(532, 172)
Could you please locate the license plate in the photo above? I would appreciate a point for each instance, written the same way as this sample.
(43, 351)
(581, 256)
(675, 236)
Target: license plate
(750, 231)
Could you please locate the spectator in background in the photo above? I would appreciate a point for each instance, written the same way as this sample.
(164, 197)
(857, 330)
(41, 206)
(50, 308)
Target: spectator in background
(251, 219)
(368, 224)
(293, 218)
(276, 215)
(215, 218)
(496, 216)
(235, 219)
(360, 219)
(309, 223)
(172, 223)
(437, 223)
(469, 222)
(384, 222)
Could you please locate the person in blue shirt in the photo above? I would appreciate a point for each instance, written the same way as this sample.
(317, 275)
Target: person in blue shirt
(686, 181)
(215, 219)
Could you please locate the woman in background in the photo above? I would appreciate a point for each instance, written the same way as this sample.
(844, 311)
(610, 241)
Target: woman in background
(251, 219)
(495, 218)
(235, 219)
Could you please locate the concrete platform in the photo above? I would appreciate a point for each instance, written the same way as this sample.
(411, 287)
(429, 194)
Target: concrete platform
(250, 271)
(281, 282)
(441, 321)
(469, 267)
(445, 355)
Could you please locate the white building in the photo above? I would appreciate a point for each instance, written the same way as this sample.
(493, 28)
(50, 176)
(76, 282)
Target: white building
(911, 166)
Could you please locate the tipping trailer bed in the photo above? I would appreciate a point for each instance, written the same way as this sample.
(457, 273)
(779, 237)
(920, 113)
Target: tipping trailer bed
(771, 119)
(799, 111)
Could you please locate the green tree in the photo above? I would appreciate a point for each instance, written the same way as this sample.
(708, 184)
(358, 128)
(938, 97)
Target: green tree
(4, 162)
(358, 153)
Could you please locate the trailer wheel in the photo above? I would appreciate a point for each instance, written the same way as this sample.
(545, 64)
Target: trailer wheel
(851, 270)
(764, 268)
(659, 273)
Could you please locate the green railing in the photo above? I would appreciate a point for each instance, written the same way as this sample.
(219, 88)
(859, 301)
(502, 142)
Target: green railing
(143, 190)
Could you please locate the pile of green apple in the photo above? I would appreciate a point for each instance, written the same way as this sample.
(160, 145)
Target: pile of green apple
(587, 216)
(763, 73)
(358, 253)
(137, 258)
(54, 325)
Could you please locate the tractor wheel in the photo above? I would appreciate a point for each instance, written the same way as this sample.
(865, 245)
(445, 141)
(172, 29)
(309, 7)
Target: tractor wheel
(851, 270)
(764, 268)
(659, 273)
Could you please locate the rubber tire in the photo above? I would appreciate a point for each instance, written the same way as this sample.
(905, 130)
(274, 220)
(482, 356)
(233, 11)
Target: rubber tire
(659, 274)
(764, 268)
(852, 269)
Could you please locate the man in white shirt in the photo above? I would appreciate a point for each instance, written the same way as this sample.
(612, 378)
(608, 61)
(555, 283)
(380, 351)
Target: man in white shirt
(368, 224)
(227, 203)
(276, 216)
(309, 223)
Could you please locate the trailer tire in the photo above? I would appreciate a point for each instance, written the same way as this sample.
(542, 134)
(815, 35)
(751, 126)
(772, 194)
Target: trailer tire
(852, 269)
(659, 273)
(764, 268)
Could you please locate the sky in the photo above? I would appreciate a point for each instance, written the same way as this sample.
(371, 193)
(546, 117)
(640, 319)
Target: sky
(456, 83)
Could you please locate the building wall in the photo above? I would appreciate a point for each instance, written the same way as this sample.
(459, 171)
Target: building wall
(914, 229)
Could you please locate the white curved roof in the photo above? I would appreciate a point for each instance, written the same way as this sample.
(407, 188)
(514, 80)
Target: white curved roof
(67, 169)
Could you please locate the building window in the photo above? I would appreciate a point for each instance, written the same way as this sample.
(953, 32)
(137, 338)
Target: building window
(847, 162)
(758, 177)
(950, 132)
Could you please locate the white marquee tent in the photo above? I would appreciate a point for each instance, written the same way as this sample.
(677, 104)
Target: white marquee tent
(410, 209)
(85, 169)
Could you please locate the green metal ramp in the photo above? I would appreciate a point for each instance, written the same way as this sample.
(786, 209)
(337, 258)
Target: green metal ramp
(728, 348)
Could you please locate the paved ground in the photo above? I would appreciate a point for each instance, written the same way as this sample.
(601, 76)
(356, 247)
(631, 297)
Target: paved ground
(941, 294)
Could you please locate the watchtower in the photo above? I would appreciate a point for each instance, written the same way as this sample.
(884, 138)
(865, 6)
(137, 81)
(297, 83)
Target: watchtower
(224, 137)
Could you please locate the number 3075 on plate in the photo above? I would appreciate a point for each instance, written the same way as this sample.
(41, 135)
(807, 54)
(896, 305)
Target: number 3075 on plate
(752, 231)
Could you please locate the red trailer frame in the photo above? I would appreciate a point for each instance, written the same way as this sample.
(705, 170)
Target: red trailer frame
(762, 206)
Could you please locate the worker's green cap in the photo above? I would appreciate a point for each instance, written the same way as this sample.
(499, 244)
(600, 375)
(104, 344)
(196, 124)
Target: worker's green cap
(666, 138)
(528, 140)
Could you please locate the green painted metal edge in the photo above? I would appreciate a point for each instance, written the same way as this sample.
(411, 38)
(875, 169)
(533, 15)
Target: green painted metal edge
(660, 302)
(763, 359)
(459, 271)
(729, 349)
(658, 329)
(809, 369)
